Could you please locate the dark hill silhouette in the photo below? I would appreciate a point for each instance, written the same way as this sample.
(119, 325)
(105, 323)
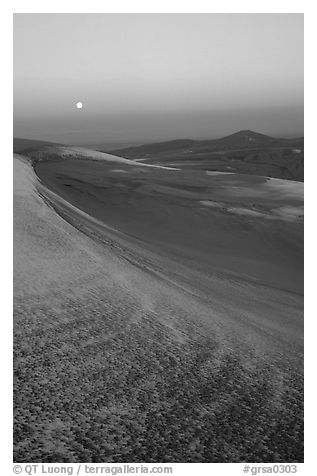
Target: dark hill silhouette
(27, 145)
(244, 138)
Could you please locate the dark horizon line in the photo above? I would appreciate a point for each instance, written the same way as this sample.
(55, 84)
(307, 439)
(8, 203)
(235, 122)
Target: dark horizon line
(96, 143)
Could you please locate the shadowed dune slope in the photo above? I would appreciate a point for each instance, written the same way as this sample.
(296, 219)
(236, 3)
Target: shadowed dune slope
(246, 226)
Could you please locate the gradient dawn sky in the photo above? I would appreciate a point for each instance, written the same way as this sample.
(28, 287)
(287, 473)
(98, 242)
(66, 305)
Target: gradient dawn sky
(152, 77)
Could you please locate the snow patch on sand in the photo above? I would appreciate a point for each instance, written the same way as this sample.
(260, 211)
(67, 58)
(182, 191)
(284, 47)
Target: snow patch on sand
(272, 188)
(247, 212)
(216, 172)
(287, 188)
(97, 155)
(289, 213)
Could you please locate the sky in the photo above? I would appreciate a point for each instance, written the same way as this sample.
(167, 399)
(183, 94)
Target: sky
(154, 77)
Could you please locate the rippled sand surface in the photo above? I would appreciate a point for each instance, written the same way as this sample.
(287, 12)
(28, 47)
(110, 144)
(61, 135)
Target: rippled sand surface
(126, 352)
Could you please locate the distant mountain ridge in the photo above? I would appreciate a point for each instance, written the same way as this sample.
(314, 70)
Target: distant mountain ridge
(243, 138)
(245, 152)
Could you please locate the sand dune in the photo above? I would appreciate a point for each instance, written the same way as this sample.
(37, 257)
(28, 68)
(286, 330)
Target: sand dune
(122, 354)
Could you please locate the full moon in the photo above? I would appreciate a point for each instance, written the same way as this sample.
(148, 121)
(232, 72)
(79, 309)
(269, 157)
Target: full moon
(79, 105)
